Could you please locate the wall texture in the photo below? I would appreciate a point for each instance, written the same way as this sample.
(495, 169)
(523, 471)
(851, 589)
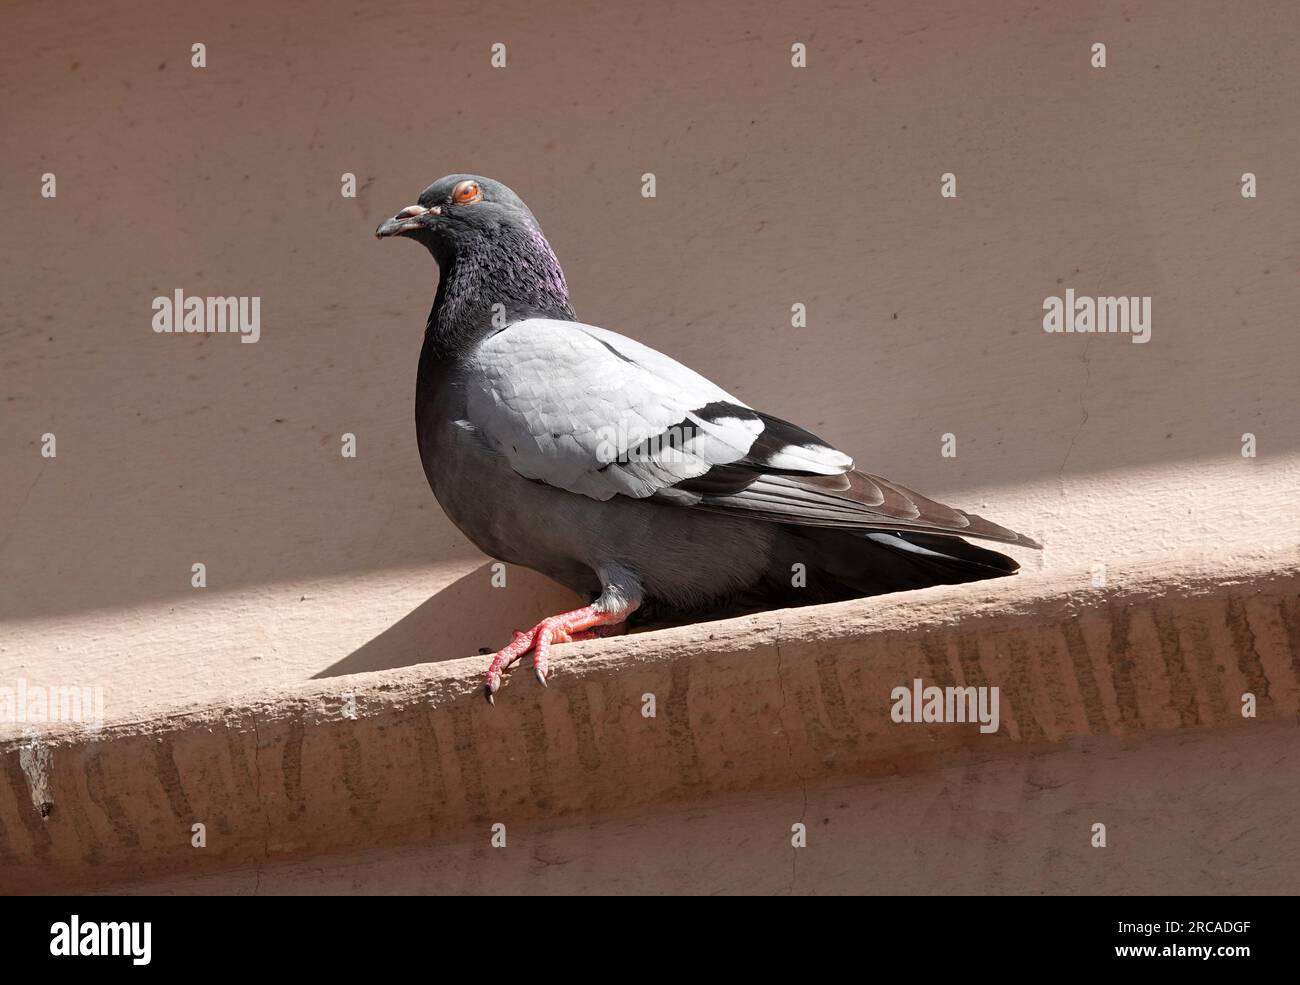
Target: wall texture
(750, 718)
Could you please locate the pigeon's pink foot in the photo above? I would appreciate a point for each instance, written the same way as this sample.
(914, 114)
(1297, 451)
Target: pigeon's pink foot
(580, 624)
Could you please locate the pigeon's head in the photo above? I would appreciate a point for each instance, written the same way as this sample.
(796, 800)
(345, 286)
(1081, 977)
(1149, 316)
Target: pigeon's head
(461, 211)
(491, 254)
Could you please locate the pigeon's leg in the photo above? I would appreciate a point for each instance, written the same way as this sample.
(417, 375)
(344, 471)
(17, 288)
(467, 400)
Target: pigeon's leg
(564, 628)
(602, 617)
(602, 632)
(568, 627)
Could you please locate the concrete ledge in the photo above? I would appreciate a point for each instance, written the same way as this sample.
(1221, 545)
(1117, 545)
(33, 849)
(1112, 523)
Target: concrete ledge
(765, 702)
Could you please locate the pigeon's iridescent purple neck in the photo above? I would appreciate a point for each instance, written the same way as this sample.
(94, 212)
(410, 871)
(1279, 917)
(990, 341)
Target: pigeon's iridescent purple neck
(513, 268)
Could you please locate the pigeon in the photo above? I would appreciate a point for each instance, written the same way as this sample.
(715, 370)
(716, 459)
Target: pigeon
(626, 476)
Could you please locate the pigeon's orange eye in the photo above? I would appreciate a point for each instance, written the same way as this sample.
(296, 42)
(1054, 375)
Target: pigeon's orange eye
(466, 192)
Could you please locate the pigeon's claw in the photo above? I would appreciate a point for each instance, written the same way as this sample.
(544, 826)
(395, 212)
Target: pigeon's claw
(580, 624)
(503, 658)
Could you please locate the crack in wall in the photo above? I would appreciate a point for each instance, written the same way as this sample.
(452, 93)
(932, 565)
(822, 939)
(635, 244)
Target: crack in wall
(22, 507)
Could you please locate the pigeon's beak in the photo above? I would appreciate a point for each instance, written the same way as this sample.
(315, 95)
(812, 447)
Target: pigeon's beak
(411, 218)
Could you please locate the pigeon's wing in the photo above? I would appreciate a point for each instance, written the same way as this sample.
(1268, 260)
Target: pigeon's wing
(593, 412)
(851, 499)
(598, 414)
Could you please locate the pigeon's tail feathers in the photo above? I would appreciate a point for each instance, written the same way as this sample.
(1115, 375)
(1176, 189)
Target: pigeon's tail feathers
(852, 499)
(839, 564)
(948, 554)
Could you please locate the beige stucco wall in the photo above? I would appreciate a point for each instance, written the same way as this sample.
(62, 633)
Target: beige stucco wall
(775, 186)
(1138, 684)
(971, 827)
